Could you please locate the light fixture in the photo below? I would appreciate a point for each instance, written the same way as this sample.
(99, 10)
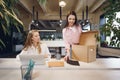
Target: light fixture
(36, 24)
(62, 4)
(33, 14)
(37, 18)
(60, 21)
(33, 21)
(85, 21)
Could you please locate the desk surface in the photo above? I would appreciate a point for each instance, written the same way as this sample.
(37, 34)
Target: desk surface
(101, 69)
(102, 63)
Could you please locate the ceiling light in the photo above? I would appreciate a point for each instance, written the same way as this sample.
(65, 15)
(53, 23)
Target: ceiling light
(60, 21)
(62, 4)
(32, 21)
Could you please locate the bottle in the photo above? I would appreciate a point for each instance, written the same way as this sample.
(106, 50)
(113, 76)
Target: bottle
(58, 55)
(70, 51)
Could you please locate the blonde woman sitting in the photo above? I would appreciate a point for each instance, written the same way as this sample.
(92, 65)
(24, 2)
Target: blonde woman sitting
(33, 46)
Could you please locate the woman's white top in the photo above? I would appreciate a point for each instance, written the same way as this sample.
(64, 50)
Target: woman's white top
(34, 51)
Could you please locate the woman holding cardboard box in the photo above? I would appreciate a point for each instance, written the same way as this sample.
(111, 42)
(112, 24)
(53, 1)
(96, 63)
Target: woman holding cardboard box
(71, 32)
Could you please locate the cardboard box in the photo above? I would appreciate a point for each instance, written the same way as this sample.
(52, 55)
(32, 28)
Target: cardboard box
(86, 50)
(56, 63)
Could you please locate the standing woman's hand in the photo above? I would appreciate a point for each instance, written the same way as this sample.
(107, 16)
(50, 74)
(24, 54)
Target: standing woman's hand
(67, 57)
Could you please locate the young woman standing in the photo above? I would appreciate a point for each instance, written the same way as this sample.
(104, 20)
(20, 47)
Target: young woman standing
(71, 32)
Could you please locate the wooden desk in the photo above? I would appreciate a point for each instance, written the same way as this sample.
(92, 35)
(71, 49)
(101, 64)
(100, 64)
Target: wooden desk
(101, 69)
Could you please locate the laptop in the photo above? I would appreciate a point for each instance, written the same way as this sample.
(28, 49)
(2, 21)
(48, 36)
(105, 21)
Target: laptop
(38, 59)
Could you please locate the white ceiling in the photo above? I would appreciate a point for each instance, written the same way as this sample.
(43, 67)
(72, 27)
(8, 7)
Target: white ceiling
(51, 8)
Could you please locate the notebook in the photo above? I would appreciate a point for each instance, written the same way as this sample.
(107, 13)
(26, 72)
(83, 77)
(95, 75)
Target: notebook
(38, 59)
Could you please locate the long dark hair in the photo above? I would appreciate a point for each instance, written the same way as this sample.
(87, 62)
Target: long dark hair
(71, 13)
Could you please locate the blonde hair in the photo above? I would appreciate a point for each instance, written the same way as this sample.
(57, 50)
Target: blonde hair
(29, 42)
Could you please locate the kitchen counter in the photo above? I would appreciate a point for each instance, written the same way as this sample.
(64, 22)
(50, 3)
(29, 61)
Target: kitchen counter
(54, 43)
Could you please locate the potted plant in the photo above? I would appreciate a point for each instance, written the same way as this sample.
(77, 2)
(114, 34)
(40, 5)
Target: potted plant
(8, 19)
(107, 28)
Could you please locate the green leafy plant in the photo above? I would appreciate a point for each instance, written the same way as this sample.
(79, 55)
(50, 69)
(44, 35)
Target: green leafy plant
(42, 1)
(110, 27)
(8, 18)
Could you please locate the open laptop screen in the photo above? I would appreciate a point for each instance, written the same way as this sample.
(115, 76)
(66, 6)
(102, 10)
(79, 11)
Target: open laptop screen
(38, 59)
